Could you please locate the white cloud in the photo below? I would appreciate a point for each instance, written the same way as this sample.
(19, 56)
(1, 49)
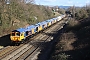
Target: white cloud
(80, 5)
(77, 2)
(50, 0)
(70, 2)
(63, 2)
(87, 1)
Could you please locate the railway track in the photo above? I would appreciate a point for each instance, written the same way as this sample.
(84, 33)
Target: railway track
(37, 50)
(31, 47)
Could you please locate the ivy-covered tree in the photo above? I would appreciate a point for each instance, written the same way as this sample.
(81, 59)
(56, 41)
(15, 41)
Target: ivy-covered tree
(81, 14)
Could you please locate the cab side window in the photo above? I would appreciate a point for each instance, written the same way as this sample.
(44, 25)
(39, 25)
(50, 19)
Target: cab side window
(21, 34)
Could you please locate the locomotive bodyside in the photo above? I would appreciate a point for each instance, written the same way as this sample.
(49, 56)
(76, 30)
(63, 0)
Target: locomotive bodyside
(48, 23)
(52, 21)
(44, 25)
(30, 30)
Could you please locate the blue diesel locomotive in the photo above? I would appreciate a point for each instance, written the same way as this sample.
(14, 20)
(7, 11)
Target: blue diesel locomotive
(22, 33)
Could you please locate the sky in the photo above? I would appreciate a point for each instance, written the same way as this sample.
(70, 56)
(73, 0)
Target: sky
(79, 3)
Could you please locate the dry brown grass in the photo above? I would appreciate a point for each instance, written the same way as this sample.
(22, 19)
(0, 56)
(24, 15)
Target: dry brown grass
(73, 22)
(65, 44)
(66, 40)
(74, 41)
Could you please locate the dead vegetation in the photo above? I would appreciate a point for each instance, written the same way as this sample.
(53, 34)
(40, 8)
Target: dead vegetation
(66, 41)
(74, 42)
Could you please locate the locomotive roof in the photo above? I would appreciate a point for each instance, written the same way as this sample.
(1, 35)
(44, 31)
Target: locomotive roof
(44, 22)
(51, 19)
(54, 18)
(48, 20)
(36, 25)
(29, 28)
(19, 30)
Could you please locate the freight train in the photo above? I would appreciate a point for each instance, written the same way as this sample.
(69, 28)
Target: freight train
(21, 34)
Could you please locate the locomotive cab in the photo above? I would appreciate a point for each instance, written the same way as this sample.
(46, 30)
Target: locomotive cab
(17, 35)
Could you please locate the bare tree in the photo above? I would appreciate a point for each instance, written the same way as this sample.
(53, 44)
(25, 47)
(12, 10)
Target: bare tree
(30, 1)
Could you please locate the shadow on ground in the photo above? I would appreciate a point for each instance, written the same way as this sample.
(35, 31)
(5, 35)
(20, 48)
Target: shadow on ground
(48, 47)
(5, 40)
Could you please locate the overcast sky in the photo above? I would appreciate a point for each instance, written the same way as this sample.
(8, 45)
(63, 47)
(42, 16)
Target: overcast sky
(63, 2)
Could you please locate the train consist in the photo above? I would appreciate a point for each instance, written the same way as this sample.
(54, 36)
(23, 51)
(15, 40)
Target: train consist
(21, 34)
